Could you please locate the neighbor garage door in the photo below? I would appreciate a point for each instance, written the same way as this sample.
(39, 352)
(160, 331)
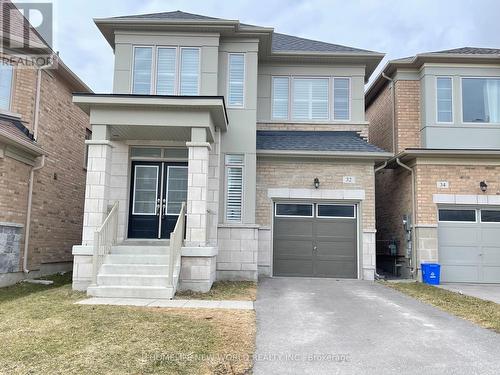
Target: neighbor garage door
(469, 245)
(315, 239)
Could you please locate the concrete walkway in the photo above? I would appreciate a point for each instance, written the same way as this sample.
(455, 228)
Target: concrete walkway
(177, 303)
(488, 292)
(325, 326)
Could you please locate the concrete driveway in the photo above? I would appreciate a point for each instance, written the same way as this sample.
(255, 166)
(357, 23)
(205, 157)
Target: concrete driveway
(488, 292)
(325, 326)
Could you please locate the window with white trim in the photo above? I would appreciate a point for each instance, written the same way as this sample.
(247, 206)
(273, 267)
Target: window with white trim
(341, 98)
(481, 100)
(6, 73)
(281, 92)
(310, 98)
(234, 187)
(177, 70)
(190, 69)
(143, 60)
(166, 61)
(236, 80)
(444, 97)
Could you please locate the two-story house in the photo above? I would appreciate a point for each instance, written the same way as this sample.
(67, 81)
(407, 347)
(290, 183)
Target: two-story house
(262, 135)
(42, 158)
(439, 113)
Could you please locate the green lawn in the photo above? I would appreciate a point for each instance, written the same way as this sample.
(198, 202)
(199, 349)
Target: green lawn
(42, 331)
(484, 313)
(225, 290)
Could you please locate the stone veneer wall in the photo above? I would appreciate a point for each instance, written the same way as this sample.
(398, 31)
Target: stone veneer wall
(10, 247)
(238, 252)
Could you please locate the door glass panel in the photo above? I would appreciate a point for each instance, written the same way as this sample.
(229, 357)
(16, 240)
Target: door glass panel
(330, 210)
(457, 215)
(176, 189)
(294, 209)
(145, 152)
(175, 153)
(145, 189)
(490, 216)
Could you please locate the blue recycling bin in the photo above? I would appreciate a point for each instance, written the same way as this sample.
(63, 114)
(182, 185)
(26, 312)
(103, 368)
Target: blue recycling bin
(431, 273)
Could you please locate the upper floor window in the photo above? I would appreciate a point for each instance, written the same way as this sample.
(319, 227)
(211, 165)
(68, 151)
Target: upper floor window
(309, 98)
(444, 96)
(176, 73)
(236, 80)
(6, 73)
(143, 59)
(280, 89)
(481, 100)
(341, 96)
(190, 68)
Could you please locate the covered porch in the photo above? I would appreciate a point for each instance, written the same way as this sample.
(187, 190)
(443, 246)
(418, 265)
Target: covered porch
(148, 155)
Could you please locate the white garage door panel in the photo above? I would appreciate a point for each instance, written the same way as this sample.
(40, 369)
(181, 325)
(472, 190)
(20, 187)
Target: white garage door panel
(459, 274)
(452, 254)
(469, 252)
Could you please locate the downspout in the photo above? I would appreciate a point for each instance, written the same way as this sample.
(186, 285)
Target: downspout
(28, 214)
(413, 259)
(36, 117)
(393, 93)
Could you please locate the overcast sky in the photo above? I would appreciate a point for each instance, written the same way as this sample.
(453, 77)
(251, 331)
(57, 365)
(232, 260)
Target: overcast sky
(396, 27)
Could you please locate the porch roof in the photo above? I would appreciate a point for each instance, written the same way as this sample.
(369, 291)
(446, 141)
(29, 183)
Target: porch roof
(214, 105)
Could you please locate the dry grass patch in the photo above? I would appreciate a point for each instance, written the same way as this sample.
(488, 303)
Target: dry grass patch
(225, 290)
(484, 313)
(42, 331)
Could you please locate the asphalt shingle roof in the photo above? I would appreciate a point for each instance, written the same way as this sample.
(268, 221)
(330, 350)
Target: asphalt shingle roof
(176, 15)
(345, 141)
(470, 51)
(281, 42)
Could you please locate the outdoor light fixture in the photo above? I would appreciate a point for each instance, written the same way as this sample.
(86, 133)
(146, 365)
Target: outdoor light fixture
(483, 186)
(316, 182)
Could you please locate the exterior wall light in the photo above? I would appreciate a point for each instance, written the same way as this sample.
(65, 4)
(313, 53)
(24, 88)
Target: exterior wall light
(483, 186)
(316, 182)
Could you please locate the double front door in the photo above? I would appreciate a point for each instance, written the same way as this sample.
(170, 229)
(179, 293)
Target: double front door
(156, 195)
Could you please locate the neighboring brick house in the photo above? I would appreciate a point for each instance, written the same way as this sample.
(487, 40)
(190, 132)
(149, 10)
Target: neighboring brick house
(42, 169)
(262, 134)
(444, 179)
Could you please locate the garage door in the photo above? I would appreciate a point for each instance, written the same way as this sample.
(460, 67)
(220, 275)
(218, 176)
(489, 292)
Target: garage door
(469, 245)
(315, 239)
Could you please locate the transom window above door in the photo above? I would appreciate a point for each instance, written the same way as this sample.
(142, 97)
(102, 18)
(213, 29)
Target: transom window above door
(166, 70)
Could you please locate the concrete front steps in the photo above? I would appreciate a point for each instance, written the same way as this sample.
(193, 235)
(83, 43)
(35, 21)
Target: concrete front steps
(135, 269)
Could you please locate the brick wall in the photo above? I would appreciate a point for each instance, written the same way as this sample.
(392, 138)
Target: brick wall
(463, 179)
(393, 201)
(407, 123)
(407, 114)
(281, 173)
(59, 187)
(379, 114)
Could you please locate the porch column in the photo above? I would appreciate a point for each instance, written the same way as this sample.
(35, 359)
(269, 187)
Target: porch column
(97, 184)
(197, 205)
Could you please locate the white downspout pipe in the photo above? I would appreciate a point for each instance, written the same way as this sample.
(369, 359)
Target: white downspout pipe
(414, 257)
(36, 117)
(28, 214)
